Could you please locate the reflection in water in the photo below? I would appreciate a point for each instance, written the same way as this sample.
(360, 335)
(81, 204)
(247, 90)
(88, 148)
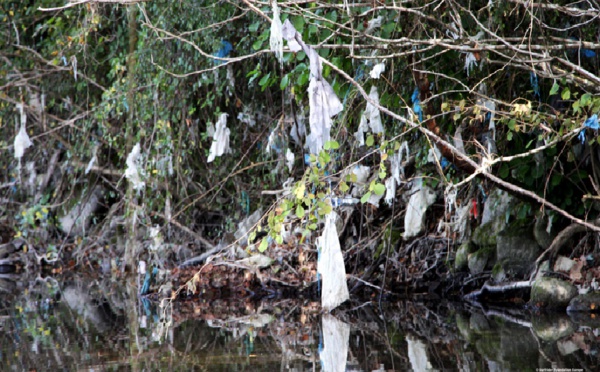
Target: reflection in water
(104, 325)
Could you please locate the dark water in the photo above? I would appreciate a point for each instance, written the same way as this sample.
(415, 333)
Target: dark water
(104, 325)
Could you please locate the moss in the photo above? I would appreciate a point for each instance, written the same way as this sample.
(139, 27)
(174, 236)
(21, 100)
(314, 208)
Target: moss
(484, 235)
(461, 258)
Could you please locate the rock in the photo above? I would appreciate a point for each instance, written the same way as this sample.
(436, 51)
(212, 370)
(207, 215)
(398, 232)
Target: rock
(478, 323)
(517, 249)
(478, 261)
(540, 233)
(78, 219)
(589, 302)
(498, 272)
(493, 218)
(461, 259)
(563, 264)
(552, 293)
(552, 327)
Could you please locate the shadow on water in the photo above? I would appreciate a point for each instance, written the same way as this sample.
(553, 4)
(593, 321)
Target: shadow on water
(104, 325)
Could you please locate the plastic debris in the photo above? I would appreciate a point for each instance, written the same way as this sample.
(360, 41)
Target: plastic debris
(244, 227)
(363, 127)
(289, 158)
(22, 141)
(374, 24)
(377, 70)
(533, 79)
(323, 102)
(362, 175)
(416, 100)
(422, 198)
(246, 118)
(491, 107)
(373, 113)
(390, 193)
(591, 122)
(74, 65)
(417, 354)
(220, 144)
(92, 160)
(470, 61)
(132, 173)
(331, 267)
(226, 48)
(275, 142)
(343, 202)
(458, 140)
(276, 39)
(256, 261)
(336, 335)
(370, 119)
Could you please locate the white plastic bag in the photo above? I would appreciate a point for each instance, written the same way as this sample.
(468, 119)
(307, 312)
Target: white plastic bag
(334, 288)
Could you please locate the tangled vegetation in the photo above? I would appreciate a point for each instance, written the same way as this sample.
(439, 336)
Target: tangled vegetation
(460, 98)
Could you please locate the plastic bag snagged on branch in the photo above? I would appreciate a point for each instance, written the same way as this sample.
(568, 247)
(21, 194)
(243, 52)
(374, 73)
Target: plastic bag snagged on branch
(22, 141)
(323, 102)
(132, 173)
(276, 39)
(220, 144)
(334, 289)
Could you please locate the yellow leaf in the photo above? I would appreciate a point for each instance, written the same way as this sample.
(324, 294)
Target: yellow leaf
(299, 193)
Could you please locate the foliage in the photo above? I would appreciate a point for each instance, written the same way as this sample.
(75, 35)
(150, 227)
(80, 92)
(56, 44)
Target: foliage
(515, 81)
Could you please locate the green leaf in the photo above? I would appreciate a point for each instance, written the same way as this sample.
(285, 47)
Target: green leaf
(379, 188)
(257, 44)
(512, 124)
(586, 99)
(303, 78)
(325, 209)
(264, 80)
(324, 158)
(264, 244)
(254, 27)
(554, 89)
(331, 145)
(344, 187)
(300, 212)
(503, 171)
(370, 141)
(566, 94)
(284, 82)
(279, 239)
(365, 197)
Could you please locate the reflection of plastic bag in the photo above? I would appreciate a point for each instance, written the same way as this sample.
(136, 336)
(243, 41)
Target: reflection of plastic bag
(334, 289)
(220, 144)
(336, 335)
